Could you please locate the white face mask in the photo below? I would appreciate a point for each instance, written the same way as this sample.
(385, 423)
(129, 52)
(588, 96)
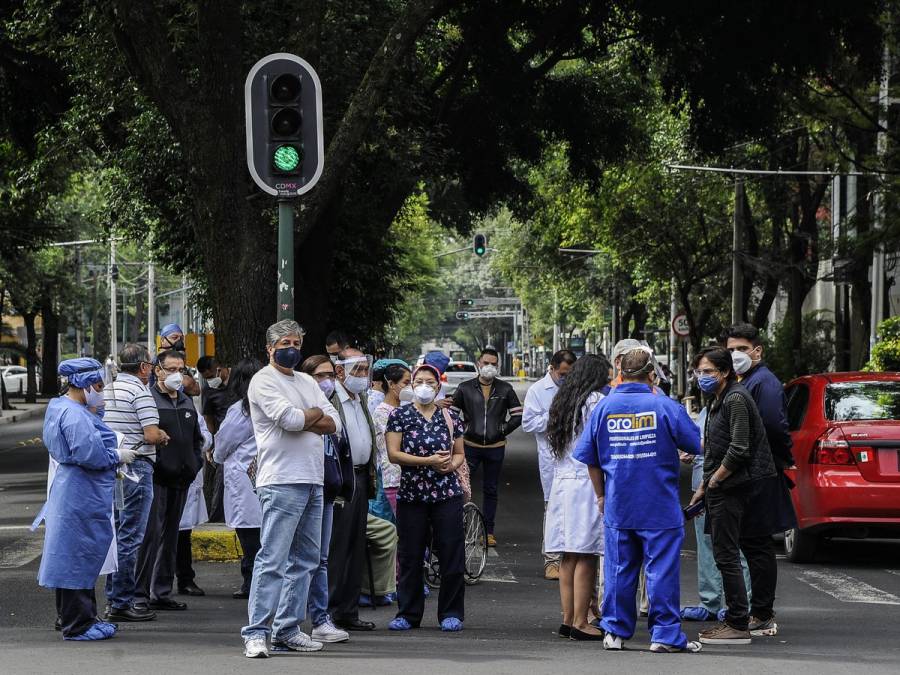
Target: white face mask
(424, 394)
(174, 382)
(406, 394)
(488, 372)
(742, 362)
(356, 385)
(93, 398)
(214, 382)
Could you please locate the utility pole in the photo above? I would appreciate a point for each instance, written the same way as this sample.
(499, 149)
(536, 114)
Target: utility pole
(79, 326)
(673, 310)
(184, 314)
(884, 102)
(555, 321)
(285, 278)
(737, 277)
(113, 274)
(151, 308)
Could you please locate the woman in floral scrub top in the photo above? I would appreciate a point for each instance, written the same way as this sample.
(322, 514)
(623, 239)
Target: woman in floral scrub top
(427, 443)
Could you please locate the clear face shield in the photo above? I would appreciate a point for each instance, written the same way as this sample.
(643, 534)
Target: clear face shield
(661, 376)
(357, 373)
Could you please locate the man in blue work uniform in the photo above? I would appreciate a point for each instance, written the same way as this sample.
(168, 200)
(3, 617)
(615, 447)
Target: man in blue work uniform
(631, 449)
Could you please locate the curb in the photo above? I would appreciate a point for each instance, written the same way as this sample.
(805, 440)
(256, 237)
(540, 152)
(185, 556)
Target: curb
(19, 416)
(215, 543)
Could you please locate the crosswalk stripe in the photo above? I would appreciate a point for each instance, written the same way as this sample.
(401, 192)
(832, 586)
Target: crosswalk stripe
(20, 552)
(845, 588)
(496, 571)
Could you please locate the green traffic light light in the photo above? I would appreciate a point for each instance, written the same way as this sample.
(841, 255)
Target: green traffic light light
(479, 251)
(286, 158)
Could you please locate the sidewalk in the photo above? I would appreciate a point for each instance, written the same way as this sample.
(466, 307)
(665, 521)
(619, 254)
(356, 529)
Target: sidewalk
(23, 411)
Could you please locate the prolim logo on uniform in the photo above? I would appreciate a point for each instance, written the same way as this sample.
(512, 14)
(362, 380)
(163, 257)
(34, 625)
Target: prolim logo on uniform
(620, 423)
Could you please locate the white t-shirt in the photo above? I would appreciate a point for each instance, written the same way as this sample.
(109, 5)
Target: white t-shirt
(286, 453)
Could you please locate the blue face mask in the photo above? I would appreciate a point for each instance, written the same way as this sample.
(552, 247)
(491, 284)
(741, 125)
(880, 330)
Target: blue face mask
(708, 383)
(287, 357)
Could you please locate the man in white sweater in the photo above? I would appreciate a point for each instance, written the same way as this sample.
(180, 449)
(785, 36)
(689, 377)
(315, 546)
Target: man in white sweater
(290, 415)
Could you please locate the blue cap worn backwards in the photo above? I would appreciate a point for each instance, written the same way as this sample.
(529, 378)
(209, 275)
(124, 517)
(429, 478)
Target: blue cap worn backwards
(81, 372)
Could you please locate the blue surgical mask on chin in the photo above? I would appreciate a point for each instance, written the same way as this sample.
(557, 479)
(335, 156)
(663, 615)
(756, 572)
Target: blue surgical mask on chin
(708, 383)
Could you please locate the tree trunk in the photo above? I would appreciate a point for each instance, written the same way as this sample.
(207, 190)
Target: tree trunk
(30, 356)
(50, 352)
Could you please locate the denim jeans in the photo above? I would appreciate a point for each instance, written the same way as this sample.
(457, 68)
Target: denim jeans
(318, 587)
(131, 523)
(290, 539)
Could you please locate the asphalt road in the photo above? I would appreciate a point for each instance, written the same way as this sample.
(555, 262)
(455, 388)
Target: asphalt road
(839, 615)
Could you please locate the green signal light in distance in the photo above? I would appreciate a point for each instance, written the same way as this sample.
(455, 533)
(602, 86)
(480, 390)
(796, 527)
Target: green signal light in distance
(286, 158)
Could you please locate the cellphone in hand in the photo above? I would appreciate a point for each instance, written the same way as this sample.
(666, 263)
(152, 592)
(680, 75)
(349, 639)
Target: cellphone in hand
(694, 510)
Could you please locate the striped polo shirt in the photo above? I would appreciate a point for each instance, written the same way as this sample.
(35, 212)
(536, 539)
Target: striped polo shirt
(129, 408)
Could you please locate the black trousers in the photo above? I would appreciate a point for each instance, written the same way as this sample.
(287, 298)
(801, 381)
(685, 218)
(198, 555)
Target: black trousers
(76, 609)
(444, 521)
(155, 572)
(728, 517)
(249, 538)
(347, 553)
(184, 560)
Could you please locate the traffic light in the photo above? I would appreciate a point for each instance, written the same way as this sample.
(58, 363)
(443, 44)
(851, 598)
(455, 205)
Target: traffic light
(479, 245)
(462, 316)
(465, 301)
(283, 107)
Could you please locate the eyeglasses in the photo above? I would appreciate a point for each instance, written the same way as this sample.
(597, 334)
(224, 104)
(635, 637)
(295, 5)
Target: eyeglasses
(418, 383)
(319, 377)
(705, 372)
(174, 369)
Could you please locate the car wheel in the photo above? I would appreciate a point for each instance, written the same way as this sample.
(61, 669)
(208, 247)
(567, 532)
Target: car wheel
(800, 546)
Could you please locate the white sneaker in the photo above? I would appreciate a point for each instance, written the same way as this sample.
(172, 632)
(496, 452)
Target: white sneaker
(612, 642)
(660, 648)
(328, 632)
(255, 648)
(299, 642)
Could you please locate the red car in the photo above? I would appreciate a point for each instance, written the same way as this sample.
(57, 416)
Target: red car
(846, 433)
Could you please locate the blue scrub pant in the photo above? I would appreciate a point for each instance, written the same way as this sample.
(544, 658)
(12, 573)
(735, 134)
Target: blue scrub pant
(659, 551)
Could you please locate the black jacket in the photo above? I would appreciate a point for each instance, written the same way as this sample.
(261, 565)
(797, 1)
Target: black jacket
(488, 421)
(768, 393)
(735, 436)
(177, 462)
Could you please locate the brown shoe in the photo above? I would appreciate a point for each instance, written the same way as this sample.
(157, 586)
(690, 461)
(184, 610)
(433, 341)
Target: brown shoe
(723, 634)
(551, 571)
(491, 541)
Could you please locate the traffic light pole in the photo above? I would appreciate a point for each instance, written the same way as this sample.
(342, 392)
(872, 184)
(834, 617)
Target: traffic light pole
(285, 279)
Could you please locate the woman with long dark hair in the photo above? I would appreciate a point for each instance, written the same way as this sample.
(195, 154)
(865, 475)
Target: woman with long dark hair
(574, 524)
(235, 450)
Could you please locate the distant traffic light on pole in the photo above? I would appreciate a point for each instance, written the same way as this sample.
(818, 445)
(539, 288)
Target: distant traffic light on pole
(285, 147)
(462, 316)
(465, 301)
(479, 244)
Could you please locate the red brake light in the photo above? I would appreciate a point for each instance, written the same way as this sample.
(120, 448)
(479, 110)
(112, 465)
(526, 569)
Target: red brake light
(443, 377)
(832, 449)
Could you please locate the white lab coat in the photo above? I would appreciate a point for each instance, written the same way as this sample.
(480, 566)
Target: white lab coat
(573, 523)
(535, 416)
(195, 512)
(235, 449)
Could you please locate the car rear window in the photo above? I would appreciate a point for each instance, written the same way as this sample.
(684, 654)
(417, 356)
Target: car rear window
(460, 368)
(846, 401)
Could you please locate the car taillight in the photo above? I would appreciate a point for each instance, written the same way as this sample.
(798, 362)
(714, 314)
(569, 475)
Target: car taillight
(443, 377)
(835, 452)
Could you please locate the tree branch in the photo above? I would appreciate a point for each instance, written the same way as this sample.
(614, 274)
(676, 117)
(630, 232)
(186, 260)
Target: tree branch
(366, 100)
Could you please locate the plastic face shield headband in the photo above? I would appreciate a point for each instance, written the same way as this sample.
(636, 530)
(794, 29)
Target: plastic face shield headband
(660, 374)
(650, 366)
(357, 368)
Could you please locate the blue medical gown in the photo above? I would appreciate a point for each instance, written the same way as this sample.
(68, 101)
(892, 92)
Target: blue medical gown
(78, 526)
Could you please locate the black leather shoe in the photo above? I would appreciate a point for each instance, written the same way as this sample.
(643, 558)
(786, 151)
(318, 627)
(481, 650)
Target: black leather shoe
(168, 604)
(240, 595)
(191, 589)
(130, 614)
(355, 624)
(586, 637)
(564, 631)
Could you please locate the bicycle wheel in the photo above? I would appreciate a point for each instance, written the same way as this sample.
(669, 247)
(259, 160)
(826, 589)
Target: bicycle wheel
(475, 542)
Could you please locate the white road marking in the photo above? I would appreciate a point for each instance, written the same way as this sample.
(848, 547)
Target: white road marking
(14, 528)
(845, 588)
(21, 552)
(496, 571)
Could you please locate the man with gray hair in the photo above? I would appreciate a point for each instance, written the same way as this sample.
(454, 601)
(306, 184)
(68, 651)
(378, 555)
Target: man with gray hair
(290, 414)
